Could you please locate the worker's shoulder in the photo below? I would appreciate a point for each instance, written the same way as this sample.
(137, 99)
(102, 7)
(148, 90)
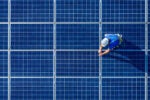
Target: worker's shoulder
(110, 35)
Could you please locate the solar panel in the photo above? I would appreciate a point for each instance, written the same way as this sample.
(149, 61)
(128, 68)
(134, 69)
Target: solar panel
(3, 10)
(3, 64)
(77, 10)
(133, 34)
(123, 10)
(77, 63)
(27, 63)
(31, 10)
(77, 36)
(149, 63)
(48, 50)
(3, 89)
(124, 63)
(77, 89)
(123, 89)
(148, 36)
(32, 36)
(148, 88)
(3, 36)
(148, 11)
(31, 89)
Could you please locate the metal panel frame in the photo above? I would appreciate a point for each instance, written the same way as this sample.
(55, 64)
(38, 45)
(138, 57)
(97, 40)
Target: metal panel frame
(54, 49)
(146, 49)
(9, 50)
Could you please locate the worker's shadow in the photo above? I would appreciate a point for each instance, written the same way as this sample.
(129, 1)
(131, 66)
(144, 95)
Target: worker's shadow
(135, 58)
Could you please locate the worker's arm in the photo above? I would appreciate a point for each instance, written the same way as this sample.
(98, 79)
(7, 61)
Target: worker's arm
(100, 49)
(105, 52)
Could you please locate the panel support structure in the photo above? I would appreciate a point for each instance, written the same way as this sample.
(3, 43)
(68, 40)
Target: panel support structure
(146, 49)
(9, 49)
(100, 58)
(54, 50)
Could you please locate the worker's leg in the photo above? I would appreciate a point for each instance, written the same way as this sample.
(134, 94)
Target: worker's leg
(120, 38)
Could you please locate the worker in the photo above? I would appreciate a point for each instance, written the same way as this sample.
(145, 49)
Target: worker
(112, 41)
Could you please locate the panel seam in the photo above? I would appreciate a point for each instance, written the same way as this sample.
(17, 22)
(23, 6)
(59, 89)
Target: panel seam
(146, 49)
(9, 49)
(54, 49)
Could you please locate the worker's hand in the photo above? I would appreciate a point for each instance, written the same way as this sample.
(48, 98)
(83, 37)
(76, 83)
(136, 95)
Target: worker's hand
(99, 51)
(101, 54)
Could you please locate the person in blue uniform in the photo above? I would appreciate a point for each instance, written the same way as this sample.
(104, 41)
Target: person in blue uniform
(112, 41)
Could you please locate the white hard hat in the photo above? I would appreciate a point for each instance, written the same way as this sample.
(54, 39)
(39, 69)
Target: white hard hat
(104, 42)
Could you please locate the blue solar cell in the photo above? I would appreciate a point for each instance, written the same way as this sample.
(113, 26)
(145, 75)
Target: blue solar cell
(124, 63)
(3, 89)
(3, 10)
(31, 63)
(123, 89)
(148, 11)
(78, 36)
(77, 89)
(77, 63)
(3, 36)
(3, 64)
(133, 35)
(31, 89)
(148, 36)
(32, 10)
(32, 36)
(77, 10)
(149, 63)
(149, 88)
(123, 10)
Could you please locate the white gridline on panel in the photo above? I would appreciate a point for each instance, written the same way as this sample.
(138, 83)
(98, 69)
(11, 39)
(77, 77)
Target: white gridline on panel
(54, 50)
(9, 50)
(146, 48)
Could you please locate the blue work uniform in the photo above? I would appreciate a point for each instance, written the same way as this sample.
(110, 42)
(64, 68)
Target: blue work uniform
(113, 41)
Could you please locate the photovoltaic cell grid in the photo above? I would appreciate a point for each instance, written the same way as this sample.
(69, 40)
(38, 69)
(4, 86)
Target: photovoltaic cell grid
(124, 63)
(3, 88)
(123, 89)
(77, 89)
(149, 88)
(148, 11)
(3, 10)
(123, 10)
(3, 64)
(77, 36)
(77, 63)
(32, 36)
(3, 36)
(31, 63)
(31, 89)
(149, 63)
(148, 36)
(77, 10)
(31, 10)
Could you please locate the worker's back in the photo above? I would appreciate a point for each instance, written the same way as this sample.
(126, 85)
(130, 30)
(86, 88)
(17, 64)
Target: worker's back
(113, 40)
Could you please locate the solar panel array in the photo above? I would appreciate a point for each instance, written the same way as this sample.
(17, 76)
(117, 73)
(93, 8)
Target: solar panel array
(48, 50)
